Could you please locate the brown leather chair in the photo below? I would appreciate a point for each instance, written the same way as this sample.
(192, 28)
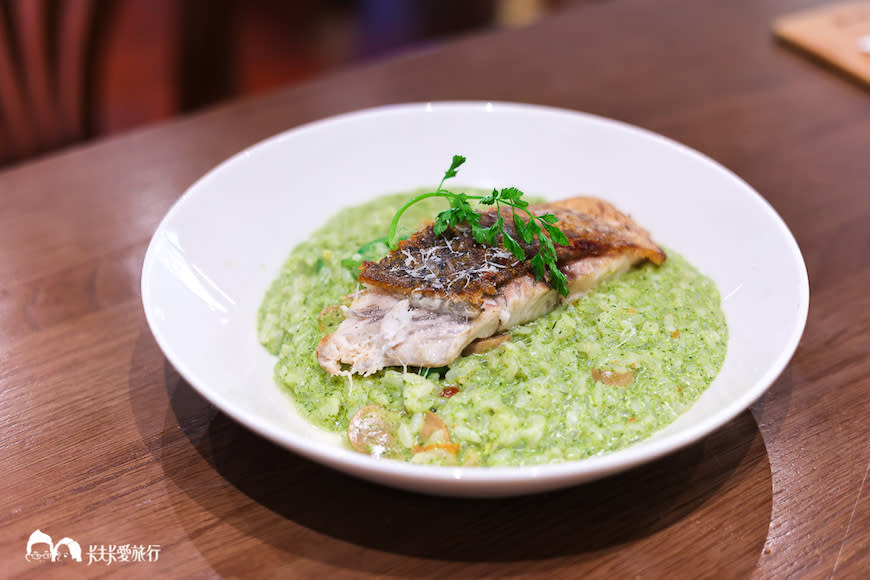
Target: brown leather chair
(47, 62)
(53, 52)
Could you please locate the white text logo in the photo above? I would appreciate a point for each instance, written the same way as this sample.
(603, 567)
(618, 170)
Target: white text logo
(41, 548)
(123, 553)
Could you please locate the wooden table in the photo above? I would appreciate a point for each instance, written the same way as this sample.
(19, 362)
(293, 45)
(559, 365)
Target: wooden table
(103, 442)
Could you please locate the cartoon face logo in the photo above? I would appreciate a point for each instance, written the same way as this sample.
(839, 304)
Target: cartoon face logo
(51, 551)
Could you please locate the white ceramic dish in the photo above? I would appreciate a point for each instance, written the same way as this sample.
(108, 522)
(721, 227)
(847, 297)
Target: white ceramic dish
(214, 254)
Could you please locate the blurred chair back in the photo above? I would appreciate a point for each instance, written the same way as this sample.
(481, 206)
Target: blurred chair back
(47, 50)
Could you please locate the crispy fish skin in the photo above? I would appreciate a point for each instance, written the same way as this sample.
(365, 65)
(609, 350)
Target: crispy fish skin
(428, 300)
(454, 268)
(590, 220)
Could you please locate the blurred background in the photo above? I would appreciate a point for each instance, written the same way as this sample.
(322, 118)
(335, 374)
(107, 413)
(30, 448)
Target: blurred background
(73, 70)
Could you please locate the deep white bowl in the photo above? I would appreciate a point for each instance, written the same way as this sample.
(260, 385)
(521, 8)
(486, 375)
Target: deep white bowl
(216, 251)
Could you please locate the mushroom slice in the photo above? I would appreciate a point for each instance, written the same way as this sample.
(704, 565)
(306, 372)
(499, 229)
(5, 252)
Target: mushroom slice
(482, 345)
(433, 430)
(435, 439)
(613, 378)
(372, 430)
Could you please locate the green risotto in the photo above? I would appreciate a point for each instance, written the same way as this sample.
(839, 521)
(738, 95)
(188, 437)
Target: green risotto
(591, 377)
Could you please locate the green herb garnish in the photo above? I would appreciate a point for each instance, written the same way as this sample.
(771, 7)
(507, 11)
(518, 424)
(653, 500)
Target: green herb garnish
(541, 227)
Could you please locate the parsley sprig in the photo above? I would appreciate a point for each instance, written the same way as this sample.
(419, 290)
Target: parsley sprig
(540, 227)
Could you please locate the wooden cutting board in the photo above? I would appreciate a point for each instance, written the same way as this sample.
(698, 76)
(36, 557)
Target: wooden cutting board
(832, 33)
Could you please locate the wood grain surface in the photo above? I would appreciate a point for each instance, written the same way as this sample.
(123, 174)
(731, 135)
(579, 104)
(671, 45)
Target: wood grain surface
(103, 442)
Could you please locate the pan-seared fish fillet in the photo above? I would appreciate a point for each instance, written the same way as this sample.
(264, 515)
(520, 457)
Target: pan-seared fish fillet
(428, 300)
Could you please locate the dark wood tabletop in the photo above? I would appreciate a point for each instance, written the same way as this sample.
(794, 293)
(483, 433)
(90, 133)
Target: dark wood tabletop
(103, 442)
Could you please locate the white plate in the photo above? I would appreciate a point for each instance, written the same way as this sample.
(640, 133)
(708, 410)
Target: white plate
(216, 251)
